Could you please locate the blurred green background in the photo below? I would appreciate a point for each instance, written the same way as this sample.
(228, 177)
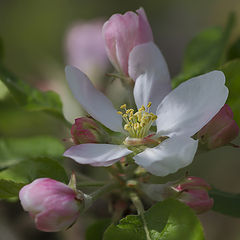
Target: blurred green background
(33, 35)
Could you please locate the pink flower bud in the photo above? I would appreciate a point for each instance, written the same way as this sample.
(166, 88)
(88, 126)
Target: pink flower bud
(221, 130)
(85, 130)
(53, 205)
(197, 199)
(192, 182)
(122, 33)
(193, 191)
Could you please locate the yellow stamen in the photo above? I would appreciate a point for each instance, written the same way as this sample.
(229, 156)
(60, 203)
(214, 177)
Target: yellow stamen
(149, 105)
(123, 106)
(138, 123)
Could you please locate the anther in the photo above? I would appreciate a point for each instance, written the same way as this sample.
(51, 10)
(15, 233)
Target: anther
(149, 105)
(123, 106)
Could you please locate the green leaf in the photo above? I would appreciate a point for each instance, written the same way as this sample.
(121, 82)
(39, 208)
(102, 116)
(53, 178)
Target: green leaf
(234, 51)
(226, 203)
(1, 49)
(96, 230)
(9, 189)
(14, 150)
(29, 170)
(15, 177)
(205, 52)
(232, 73)
(30, 98)
(168, 220)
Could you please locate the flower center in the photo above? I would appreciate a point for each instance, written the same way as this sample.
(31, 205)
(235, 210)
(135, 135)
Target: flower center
(138, 123)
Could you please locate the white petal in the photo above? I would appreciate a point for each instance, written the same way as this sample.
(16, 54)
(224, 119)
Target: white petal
(97, 154)
(169, 156)
(148, 67)
(189, 107)
(105, 164)
(92, 100)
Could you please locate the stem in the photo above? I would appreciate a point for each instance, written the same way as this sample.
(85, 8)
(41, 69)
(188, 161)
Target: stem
(139, 206)
(105, 189)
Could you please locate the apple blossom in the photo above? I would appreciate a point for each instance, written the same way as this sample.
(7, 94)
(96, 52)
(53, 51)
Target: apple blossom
(53, 205)
(122, 33)
(179, 114)
(221, 130)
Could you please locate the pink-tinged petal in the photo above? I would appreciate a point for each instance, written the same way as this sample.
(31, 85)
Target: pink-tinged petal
(97, 154)
(93, 101)
(144, 29)
(190, 106)
(32, 195)
(119, 33)
(169, 156)
(148, 67)
(59, 216)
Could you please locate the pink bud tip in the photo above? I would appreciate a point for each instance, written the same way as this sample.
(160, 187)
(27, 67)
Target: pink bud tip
(53, 205)
(122, 33)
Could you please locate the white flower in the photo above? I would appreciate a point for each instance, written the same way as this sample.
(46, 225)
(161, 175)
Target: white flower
(179, 113)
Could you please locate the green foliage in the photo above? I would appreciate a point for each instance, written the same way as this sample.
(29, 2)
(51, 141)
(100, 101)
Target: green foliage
(14, 150)
(226, 203)
(30, 98)
(205, 52)
(96, 230)
(9, 189)
(1, 49)
(232, 73)
(26, 171)
(168, 220)
(234, 51)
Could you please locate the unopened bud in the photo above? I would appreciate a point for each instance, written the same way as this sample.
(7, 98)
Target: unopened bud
(193, 191)
(86, 130)
(122, 33)
(219, 131)
(53, 205)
